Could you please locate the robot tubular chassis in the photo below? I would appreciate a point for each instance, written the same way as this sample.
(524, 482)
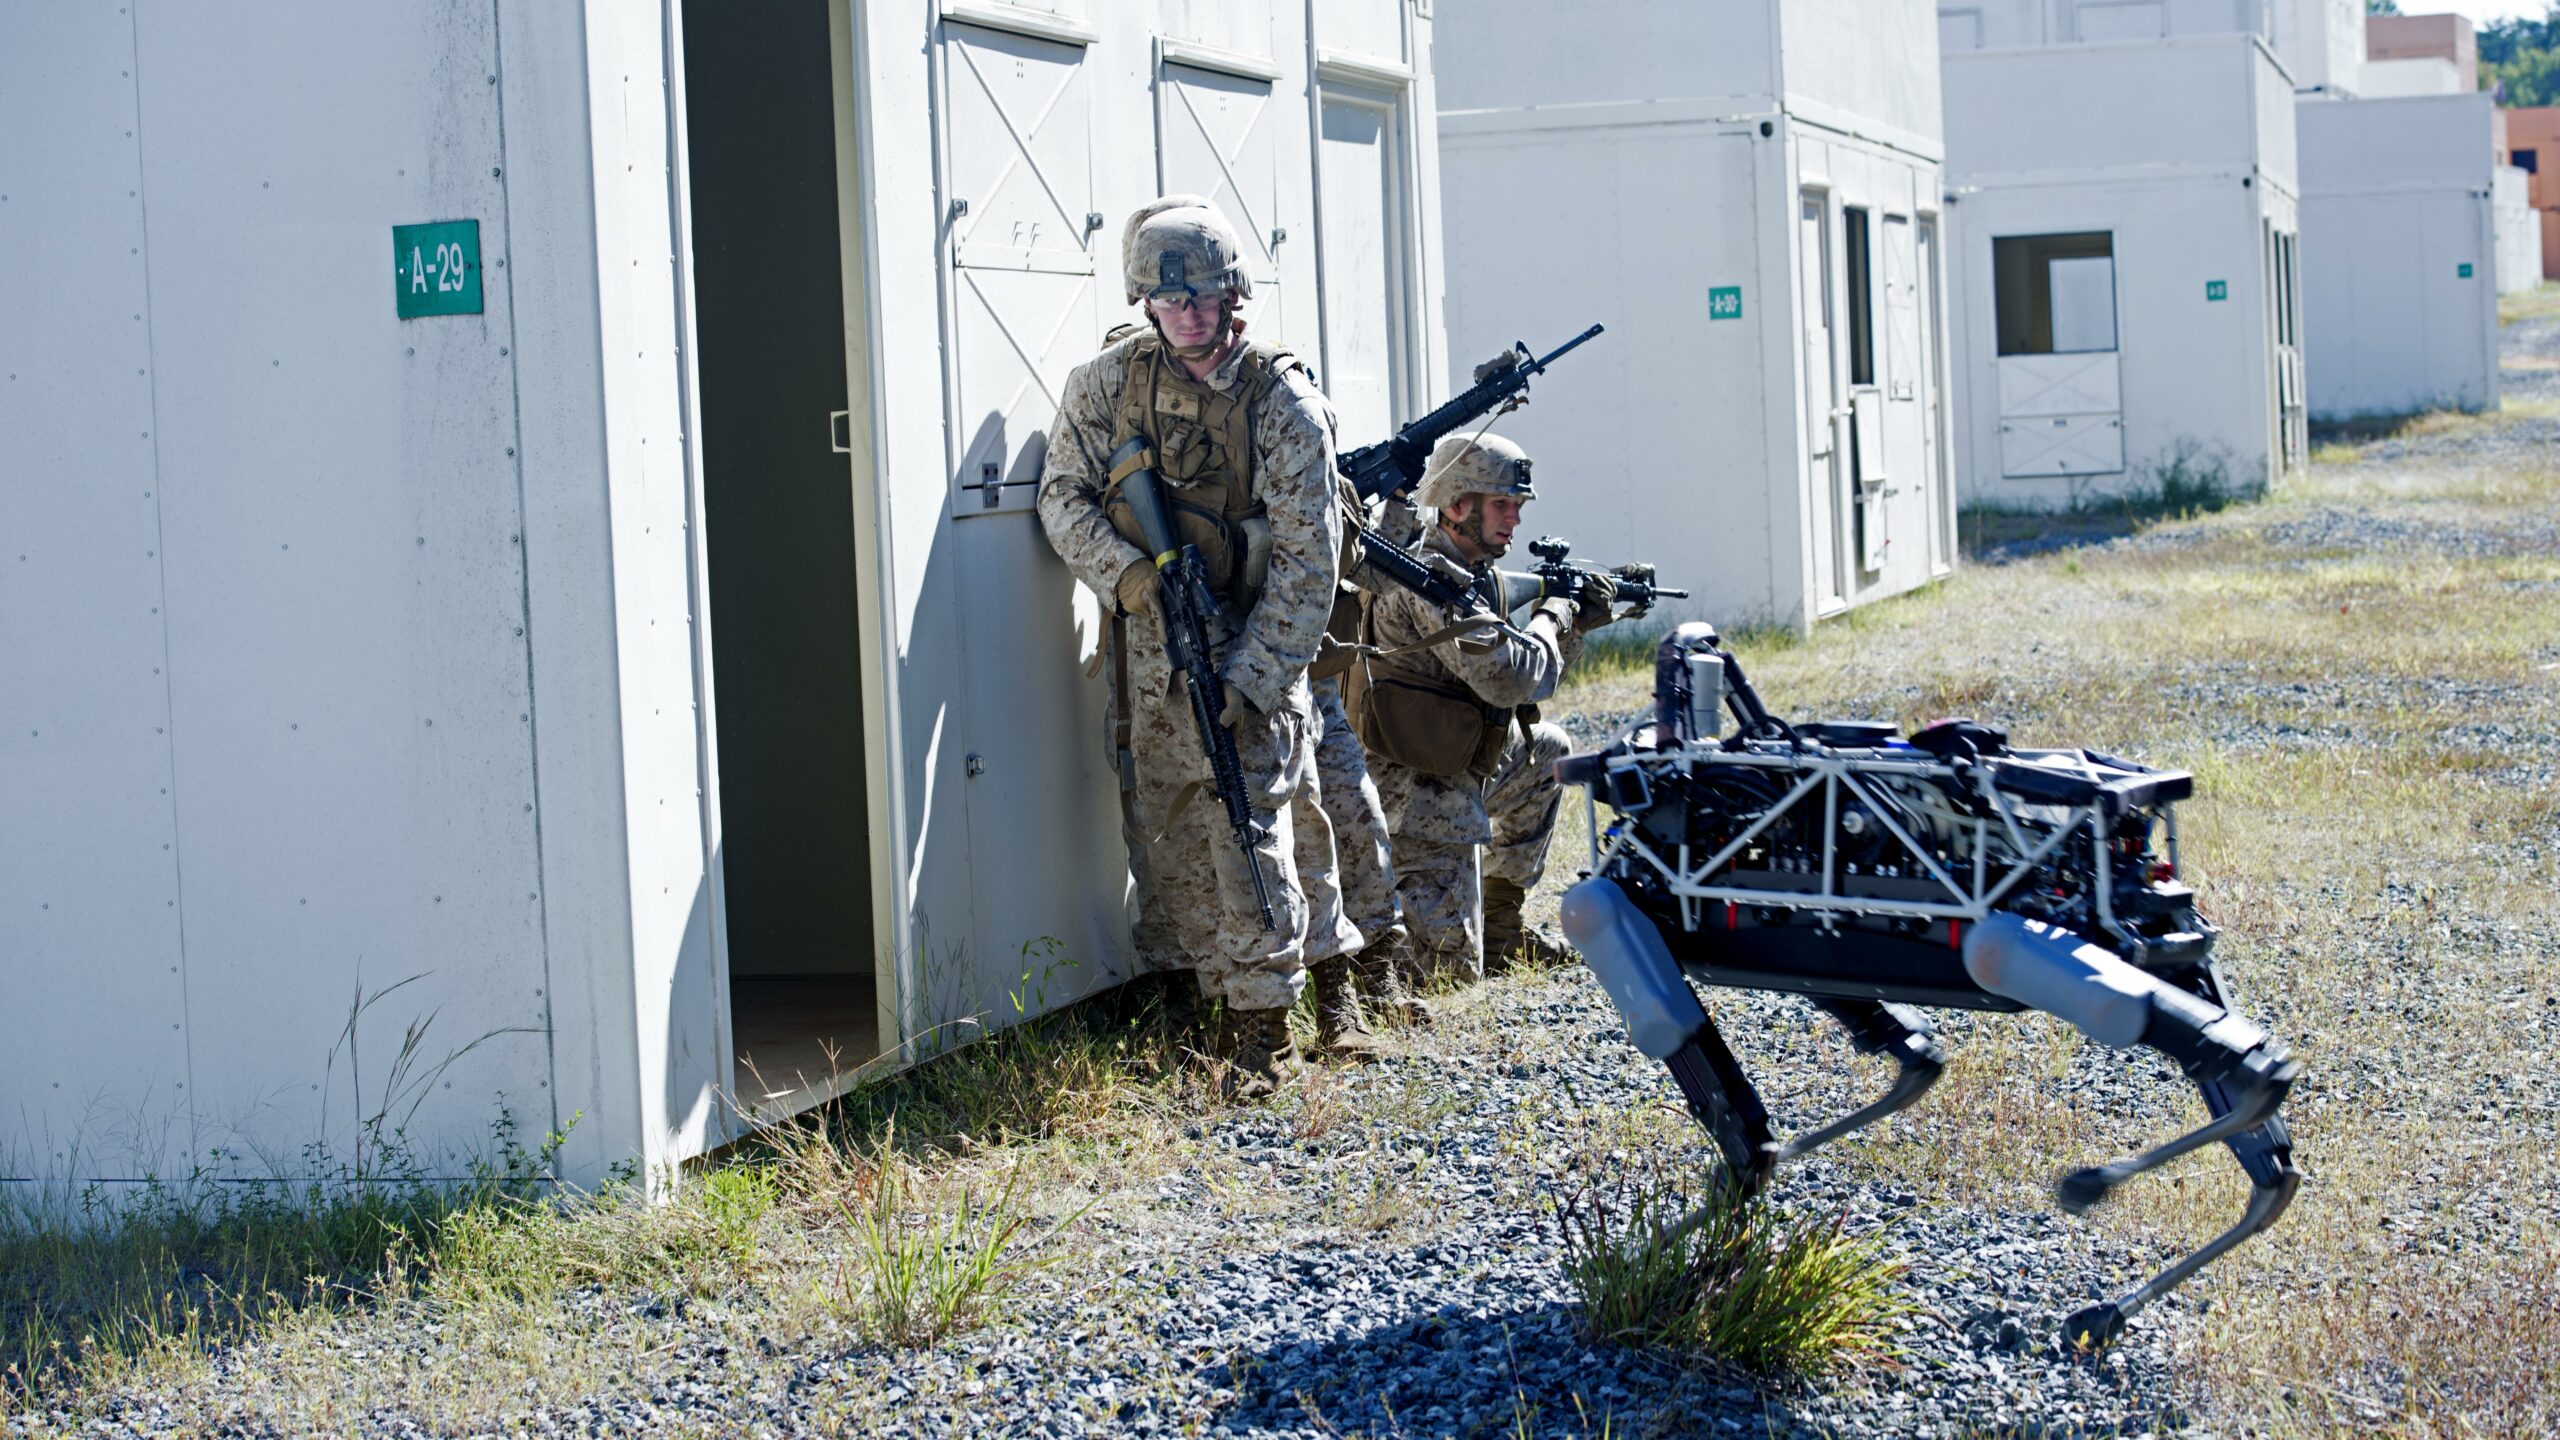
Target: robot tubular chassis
(1874, 874)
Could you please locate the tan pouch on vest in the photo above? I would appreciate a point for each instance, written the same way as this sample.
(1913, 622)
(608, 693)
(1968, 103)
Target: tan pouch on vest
(1421, 727)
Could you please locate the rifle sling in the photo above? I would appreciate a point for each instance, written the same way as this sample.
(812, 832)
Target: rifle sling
(1333, 656)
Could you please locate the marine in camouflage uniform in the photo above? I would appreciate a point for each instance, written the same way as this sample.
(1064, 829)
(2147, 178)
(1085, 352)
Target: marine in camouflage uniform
(1461, 761)
(1243, 444)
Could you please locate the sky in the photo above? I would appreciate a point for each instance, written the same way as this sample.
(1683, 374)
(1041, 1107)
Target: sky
(2481, 12)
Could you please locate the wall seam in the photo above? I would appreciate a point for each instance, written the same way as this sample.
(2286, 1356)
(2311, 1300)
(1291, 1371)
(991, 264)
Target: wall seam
(524, 564)
(160, 553)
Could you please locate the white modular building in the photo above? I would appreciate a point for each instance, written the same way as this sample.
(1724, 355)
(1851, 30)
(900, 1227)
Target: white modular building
(2519, 230)
(2123, 225)
(2400, 256)
(522, 604)
(1746, 195)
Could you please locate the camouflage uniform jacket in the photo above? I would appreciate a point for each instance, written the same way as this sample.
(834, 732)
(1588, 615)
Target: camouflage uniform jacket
(1450, 809)
(1292, 472)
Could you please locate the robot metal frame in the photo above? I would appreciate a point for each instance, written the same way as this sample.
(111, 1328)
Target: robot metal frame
(1874, 874)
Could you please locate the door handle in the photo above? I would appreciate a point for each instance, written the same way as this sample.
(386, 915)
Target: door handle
(840, 431)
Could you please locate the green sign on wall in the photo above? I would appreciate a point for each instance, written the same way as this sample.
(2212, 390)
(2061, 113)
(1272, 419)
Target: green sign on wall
(2217, 290)
(2463, 270)
(435, 268)
(1724, 302)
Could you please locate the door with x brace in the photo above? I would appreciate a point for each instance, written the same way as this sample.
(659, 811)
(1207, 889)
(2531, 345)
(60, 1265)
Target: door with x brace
(1217, 134)
(1020, 231)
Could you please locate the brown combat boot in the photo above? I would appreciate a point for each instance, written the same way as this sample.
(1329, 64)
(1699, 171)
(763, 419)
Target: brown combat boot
(1341, 1029)
(1264, 1056)
(1508, 942)
(1389, 989)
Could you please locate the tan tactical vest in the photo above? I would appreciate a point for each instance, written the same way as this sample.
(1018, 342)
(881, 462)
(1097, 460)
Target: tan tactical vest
(1419, 715)
(1204, 454)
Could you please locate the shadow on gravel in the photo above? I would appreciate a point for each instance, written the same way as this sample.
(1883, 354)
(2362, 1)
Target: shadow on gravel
(1530, 1372)
(1457, 1372)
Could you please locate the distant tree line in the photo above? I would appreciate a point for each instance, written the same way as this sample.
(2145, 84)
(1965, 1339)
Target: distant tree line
(2520, 59)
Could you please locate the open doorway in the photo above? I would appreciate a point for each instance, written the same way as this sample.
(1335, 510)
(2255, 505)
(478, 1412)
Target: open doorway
(769, 295)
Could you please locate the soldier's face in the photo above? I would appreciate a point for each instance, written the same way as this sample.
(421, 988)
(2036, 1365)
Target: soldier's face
(1188, 321)
(1483, 524)
(1501, 517)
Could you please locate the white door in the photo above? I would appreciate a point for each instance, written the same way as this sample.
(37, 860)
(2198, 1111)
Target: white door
(1045, 866)
(1360, 175)
(1218, 135)
(1020, 231)
(1821, 425)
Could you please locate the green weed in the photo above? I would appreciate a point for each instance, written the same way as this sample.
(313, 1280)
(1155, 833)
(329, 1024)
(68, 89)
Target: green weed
(928, 1265)
(1727, 1275)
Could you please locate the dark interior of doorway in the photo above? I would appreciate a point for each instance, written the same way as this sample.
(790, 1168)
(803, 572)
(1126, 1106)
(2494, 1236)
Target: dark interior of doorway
(769, 313)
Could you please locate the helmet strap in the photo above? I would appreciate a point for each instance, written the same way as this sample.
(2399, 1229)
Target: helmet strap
(1470, 528)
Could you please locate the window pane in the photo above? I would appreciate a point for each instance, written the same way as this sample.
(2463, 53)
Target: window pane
(2054, 293)
(1862, 331)
(2084, 304)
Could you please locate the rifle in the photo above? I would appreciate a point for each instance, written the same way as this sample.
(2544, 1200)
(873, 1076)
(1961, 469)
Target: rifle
(1559, 578)
(1183, 592)
(1394, 464)
(1417, 575)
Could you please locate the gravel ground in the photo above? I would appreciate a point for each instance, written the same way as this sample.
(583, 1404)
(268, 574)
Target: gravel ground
(1376, 1254)
(1453, 1320)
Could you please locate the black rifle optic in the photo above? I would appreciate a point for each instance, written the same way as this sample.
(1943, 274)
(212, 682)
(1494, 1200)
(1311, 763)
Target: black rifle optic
(1183, 591)
(1561, 579)
(1395, 464)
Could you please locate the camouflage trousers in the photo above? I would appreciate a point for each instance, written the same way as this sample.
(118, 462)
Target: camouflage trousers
(1191, 895)
(1360, 843)
(1451, 832)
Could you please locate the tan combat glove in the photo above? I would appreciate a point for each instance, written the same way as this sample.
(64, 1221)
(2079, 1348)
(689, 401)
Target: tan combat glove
(1591, 607)
(1239, 713)
(1642, 574)
(1136, 588)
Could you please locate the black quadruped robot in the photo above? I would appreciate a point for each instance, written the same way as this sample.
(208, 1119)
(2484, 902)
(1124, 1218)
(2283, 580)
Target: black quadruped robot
(1873, 873)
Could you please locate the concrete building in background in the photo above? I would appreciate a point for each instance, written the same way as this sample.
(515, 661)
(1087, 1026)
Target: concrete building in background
(2123, 259)
(2533, 146)
(2399, 286)
(2420, 55)
(419, 407)
(1747, 195)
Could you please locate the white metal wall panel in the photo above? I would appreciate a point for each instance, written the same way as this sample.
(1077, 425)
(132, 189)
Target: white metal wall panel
(1371, 29)
(1218, 135)
(1866, 65)
(1359, 159)
(346, 584)
(1650, 461)
(2076, 111)
(1511, 54)
(91, 957)
(1019, 153)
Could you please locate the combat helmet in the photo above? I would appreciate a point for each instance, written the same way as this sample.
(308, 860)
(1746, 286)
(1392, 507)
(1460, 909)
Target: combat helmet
(1478, 465)
(1180, 243)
